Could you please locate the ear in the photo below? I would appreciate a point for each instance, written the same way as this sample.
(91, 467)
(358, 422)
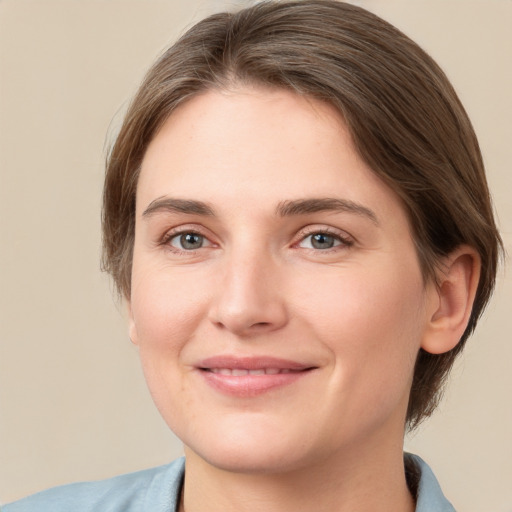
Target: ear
(132, 329)
(454, 294)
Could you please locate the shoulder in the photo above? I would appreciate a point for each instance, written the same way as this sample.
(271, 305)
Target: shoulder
(430, 497)
(149, 490)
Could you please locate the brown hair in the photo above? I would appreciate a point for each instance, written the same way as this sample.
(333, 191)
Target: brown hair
(404, 116)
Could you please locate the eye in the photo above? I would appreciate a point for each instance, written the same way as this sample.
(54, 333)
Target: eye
(323, 241)
(188, 241)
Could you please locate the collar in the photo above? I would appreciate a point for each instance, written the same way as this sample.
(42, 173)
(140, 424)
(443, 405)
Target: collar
(429, 497)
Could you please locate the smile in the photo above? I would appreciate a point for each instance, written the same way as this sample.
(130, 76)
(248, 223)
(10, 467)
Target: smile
(250, 376)
(242, 371)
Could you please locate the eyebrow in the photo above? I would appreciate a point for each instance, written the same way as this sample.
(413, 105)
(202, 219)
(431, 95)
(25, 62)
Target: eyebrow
(169, 204)
(284, 208)
(324, 204)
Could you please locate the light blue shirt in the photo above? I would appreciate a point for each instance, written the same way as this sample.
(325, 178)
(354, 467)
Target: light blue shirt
(158, 490)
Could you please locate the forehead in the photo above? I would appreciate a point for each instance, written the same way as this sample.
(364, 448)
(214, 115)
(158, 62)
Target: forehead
(255, 144)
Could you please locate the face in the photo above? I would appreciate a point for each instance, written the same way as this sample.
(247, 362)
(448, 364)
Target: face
(277, 299)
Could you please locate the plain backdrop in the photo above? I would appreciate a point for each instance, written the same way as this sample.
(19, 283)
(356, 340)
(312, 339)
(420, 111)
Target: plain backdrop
(73, 403)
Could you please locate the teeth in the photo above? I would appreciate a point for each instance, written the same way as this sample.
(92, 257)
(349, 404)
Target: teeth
(240, 371)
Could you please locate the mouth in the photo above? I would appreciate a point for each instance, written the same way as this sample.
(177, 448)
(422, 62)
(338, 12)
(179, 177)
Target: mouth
(249, 377)
(242, 371)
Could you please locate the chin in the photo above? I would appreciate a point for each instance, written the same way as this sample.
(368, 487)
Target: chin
(256, 449)
(247, 461)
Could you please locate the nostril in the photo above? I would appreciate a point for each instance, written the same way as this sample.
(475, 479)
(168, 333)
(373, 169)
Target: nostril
(261, 324)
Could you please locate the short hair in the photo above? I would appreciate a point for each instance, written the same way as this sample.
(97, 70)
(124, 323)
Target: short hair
(404, 117)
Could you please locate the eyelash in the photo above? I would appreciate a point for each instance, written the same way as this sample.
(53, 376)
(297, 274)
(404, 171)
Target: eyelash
(170, 235)
(344, 242)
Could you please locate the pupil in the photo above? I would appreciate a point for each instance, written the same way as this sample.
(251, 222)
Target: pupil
(191, 241)
(322, 241)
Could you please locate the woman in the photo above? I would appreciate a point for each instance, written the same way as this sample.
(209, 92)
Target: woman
(296, 213)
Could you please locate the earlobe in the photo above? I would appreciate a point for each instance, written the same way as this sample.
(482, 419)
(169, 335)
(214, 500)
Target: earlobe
(457, 282)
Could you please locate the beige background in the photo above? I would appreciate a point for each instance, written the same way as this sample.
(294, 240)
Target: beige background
(73, 404)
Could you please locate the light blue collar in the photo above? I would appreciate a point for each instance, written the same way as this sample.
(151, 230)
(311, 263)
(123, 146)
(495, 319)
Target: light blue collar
(430, 498)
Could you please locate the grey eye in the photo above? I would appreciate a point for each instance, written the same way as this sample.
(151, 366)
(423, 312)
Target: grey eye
(322, 241)
(188, 241)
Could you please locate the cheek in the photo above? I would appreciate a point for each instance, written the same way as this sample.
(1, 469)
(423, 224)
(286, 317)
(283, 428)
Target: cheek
(372, 324)
(380, 306)
(166, 310)
(390, 318)
(166, 307)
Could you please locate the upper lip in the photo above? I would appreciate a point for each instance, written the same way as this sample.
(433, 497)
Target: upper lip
(251, 363)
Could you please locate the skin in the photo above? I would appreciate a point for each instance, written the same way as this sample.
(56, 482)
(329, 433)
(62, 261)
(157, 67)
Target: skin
(255, 282)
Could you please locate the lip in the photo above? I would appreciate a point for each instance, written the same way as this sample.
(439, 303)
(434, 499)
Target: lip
(241, 383)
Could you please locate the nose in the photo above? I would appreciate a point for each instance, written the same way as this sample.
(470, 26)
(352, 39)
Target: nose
(250, 299)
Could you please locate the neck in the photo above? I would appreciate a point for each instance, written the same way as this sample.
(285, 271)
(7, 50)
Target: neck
(336, 484)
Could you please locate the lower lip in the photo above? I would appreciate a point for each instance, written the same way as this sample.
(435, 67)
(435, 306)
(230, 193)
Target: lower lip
(244, 386)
